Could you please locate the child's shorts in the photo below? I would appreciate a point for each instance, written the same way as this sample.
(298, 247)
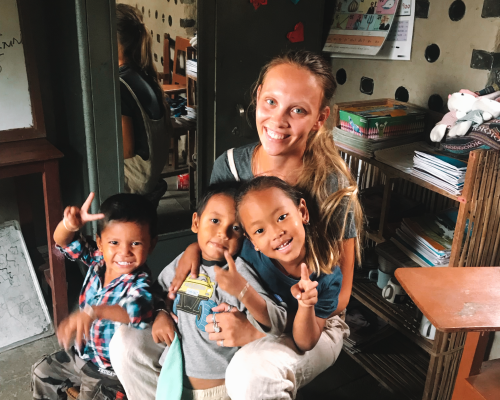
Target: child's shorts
(216, 393)
(52, 375)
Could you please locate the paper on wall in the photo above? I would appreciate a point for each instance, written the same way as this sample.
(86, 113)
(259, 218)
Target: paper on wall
(399, 40)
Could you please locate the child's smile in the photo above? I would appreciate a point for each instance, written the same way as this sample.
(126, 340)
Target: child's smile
(125, 246)
(274, 224)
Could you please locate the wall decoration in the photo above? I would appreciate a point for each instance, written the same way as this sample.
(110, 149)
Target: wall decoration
(361, 26)
(258, 3)
(297, 35)
(399, 26)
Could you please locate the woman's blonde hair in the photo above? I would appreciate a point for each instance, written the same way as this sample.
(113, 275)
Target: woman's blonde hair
(322, 163)
(137, 46)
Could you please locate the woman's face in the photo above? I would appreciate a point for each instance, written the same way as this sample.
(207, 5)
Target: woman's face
(275, 225)
(288, 108)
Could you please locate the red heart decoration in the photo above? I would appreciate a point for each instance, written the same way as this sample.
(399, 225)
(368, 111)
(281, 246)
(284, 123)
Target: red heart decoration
(258, 3)
(297, 35)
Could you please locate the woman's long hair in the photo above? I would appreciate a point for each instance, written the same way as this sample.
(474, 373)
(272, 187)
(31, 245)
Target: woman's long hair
(322, 159)
(137, 46)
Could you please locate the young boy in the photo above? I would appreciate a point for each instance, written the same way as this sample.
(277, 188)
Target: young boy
(219, 237)
(115, 292)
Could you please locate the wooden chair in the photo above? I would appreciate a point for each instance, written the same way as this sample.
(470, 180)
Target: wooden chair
(178, 82)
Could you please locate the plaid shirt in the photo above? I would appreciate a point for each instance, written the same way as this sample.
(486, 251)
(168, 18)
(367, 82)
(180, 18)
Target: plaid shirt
(130, 291)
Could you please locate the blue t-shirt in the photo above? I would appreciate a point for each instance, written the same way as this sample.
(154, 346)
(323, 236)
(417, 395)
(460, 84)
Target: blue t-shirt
(279, 284)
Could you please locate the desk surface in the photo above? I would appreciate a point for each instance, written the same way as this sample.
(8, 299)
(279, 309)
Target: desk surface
(455, 299)
(27, 151)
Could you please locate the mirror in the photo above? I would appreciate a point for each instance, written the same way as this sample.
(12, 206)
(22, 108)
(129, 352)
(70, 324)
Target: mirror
(160, 156)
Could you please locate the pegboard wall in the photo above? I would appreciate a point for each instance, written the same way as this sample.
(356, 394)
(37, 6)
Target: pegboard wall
(175, 17)
(447, 37)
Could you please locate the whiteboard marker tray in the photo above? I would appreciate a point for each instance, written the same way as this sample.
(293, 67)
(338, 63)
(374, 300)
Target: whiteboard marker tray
(23, 313)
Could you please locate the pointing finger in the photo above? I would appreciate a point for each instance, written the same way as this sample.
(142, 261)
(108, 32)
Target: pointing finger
(94, 217)
(86, 205)
(304, 272)
(230, 261)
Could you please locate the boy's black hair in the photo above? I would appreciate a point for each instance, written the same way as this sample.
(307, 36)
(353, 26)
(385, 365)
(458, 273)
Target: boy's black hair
(229, 189)
(128, 207)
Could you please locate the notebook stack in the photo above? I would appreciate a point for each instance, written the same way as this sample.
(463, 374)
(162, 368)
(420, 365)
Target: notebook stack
(367, 146)
(444, 172)
(427, 239)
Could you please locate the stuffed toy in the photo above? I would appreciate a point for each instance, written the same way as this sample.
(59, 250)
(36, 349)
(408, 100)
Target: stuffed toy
(467, 109)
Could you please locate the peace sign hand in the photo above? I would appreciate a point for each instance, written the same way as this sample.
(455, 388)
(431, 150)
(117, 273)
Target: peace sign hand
(76, 217)
(229, 279)
(305, 290)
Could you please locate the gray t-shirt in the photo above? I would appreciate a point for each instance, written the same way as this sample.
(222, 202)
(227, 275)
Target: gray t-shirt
(243, 163)
(203, 358)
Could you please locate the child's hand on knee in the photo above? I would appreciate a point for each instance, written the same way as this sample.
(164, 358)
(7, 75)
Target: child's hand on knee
(164, 329)
(305, 290)
(76, 325)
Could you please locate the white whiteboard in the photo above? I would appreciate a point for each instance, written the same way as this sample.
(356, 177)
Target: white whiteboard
(23, 313)
(15, 102)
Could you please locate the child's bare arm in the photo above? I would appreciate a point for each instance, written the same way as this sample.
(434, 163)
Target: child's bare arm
(78, 323)
(307, 327)
(74, 219)
(232, 282)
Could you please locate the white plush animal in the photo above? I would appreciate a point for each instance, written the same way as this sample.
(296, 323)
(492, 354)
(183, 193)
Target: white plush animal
(466, 109)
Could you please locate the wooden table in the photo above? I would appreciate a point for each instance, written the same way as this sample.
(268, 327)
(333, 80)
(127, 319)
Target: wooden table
(462, 299)
(31, 157)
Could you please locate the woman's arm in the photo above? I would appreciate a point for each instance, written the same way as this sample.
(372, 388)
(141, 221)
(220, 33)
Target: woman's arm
(128, 137)
(347, 268)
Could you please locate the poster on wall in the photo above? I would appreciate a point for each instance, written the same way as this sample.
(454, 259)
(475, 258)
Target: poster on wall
(361, 26)
(15, 101)
(399, 41)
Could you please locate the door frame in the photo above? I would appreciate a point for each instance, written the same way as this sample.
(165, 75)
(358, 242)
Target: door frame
(99, 71)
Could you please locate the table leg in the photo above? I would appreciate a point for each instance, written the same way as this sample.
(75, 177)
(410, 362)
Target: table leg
(53, 215)
(472, 358)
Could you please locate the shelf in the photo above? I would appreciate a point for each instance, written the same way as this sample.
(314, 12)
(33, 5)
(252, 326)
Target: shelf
(392, 172)
(404, 317)
(374, 236)
(398, 364)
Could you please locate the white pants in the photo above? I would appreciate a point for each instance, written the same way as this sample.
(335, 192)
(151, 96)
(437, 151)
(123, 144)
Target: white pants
(268, 368)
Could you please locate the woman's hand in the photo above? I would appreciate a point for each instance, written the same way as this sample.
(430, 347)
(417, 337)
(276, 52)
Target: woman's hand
(305, 290)
(235, 329)
(229, 279)
(189, 263)
(78, 323)
(164, 328)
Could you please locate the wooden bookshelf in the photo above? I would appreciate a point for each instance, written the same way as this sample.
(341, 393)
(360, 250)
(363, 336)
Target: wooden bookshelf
(398, 364)
(403, 317)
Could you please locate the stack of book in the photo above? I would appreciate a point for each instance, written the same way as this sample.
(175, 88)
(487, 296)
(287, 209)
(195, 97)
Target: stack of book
(427, 239)
(367, 146)
(444, 172)
(192, 68)
(366, 327)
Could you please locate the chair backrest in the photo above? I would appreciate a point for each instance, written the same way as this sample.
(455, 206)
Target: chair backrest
(180, 57)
